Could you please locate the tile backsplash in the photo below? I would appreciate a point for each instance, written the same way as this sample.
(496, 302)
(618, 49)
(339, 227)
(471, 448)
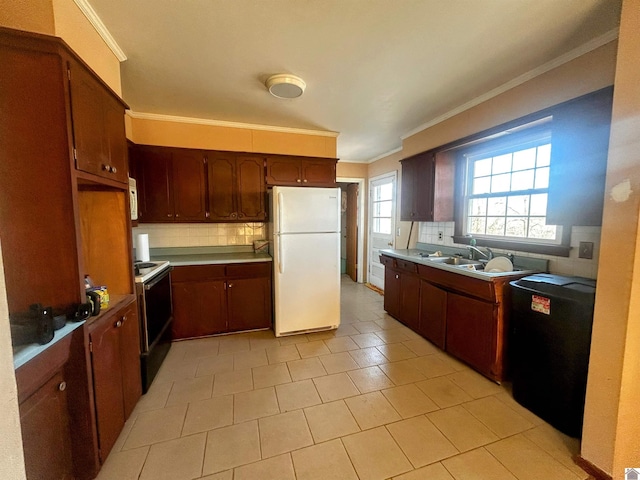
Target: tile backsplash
(428, 233)
(201, 235)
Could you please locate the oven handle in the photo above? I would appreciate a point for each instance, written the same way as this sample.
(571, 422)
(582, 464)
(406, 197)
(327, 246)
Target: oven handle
(160, 277)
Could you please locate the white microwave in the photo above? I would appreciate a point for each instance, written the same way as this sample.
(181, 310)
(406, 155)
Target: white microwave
(133, 198)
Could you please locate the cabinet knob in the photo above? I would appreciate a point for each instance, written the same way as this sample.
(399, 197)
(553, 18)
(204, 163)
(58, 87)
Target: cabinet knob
(169, 215)
(118, 323)
(62, 386)
(230, 285)
(305, 180)
(298, 180)
(397, 276)
(240, 215)
(207, 214)
(177, 215)
(234, 215)
(114, 169)
(106, 167)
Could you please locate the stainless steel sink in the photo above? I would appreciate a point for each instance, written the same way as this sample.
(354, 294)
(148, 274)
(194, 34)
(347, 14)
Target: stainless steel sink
(455, 261)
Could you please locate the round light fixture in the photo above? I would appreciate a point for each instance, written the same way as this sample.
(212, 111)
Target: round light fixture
(285, 85)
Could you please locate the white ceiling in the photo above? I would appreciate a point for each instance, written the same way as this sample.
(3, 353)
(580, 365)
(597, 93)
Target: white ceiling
(375, 69)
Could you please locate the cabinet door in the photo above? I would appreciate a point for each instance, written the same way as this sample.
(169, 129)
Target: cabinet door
(46, 437)
(130, 355)
(284, 171)
(433, 313)
(251, 189)
(319, 173)
(86, 109)
(410, 300)
(189, 185)
(471, 331)
(392, 292)
(416, 203)
(153, 175)
(115, 140)
(198, 308)
(249, 303)
(106, 362)
(222, 200)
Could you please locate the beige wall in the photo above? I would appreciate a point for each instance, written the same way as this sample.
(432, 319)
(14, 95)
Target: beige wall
(64, 19)
(31, 15)
(213, 137)
(611, 438)
(582, 75)
(11, 457)
(352, 170)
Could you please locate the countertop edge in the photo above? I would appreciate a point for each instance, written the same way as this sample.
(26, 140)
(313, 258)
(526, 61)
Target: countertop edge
(24, 353)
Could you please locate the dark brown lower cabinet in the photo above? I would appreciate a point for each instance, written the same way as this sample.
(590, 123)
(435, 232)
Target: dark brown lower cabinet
(471, 331)
(45, 431)
(198, 307)
(433, 313)
(115, 360)
(211, 299)
(392, 291)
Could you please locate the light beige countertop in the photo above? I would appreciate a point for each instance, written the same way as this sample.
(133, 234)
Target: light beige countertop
(208, 255)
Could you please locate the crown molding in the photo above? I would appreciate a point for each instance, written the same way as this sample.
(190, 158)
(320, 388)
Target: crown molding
(383, 155)
(591, 45)
(95, 20)
(220, 123)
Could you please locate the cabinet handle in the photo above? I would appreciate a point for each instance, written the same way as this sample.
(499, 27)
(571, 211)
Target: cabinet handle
(118, 323)
(114, 169)
(207, 214)
(177, 215)
(397, 276)
(298, 180)
(62, 386)
(169, 215)
(305, 180)
(230, 285)
(106, 167)
(234, 215)
(240, 215)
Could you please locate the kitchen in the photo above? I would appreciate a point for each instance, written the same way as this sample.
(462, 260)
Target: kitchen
(618, 256)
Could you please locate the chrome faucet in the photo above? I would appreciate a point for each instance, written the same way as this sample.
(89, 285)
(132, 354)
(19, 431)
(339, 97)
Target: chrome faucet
(488, 255)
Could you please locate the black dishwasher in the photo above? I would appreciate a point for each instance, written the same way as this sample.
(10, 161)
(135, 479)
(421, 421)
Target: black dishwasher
(551, 322)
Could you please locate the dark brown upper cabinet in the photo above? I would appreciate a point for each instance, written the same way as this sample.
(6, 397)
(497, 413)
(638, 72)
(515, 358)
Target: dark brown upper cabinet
(579, 150)
(301, 172)
(237, 191)
(171, 184)
(427, 187)
(100, 145)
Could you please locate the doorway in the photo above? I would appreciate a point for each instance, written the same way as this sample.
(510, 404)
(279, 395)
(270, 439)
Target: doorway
(382, 219)
(352, 235)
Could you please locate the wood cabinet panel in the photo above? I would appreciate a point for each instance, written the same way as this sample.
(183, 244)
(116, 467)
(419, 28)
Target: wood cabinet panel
(198, 308)
(471, 331)
(106, 362)
(433, 313)
(188, 180)
(44, 420)
(249, 303)
(210, 299)
(222, 201)
(115, 360)
(410, 300)
(251, 188)
(427, 187)
(392, 291)
(298, 171)
(98, 127)
(153, 176)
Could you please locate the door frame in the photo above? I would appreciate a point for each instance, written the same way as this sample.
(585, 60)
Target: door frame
(361, 221)
(394, 175)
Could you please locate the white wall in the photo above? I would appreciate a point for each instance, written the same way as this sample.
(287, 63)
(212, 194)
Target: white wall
(201, 234)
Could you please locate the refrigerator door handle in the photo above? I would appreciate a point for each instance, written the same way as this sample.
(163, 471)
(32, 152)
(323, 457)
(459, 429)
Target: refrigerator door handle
(280, 200)
(280, 260)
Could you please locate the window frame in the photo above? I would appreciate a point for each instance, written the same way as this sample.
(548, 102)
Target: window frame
(517, 130)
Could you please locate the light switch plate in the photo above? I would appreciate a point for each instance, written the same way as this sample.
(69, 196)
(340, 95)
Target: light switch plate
(585, 250)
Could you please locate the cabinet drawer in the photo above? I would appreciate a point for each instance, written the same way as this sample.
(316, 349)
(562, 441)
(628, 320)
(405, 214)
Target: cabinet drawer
(407, 266)
(459, 283)
(194, 273)
(387, 261)
(261, 269)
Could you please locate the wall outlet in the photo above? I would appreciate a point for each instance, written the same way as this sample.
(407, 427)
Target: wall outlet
(585, 250)
(440, 235)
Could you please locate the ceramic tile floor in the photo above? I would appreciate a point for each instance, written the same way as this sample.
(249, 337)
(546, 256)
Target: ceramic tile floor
(369, 401)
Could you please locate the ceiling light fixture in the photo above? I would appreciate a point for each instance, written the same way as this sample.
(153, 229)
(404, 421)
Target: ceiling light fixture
(285, 85)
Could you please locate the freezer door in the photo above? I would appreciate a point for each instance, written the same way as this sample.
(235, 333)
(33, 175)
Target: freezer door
(303, 210)
(306, 282)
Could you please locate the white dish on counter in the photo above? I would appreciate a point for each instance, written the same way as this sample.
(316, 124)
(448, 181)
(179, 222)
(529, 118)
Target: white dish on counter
(499, 264)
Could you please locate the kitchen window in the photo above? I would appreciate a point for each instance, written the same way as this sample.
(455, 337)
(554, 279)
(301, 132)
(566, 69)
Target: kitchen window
(506, 191)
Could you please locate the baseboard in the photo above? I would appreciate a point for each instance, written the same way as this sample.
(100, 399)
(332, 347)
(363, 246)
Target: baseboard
(590, 468)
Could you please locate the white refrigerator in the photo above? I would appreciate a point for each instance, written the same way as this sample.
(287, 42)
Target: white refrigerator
(304, 230)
